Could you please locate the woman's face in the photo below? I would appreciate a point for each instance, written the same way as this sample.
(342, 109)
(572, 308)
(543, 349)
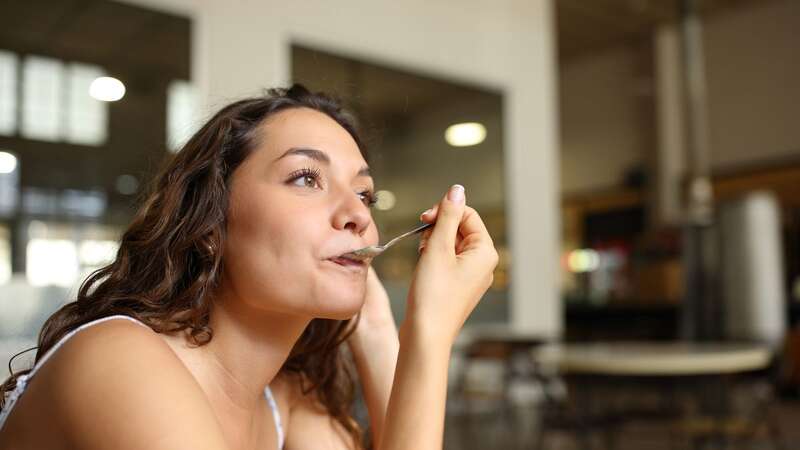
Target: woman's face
(297, 201)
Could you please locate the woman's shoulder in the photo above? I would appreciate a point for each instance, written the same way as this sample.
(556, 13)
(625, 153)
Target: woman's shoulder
(118, 381)
(112, 346)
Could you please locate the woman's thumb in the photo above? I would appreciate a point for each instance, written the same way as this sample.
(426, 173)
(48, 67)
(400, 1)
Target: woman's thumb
(448, 218)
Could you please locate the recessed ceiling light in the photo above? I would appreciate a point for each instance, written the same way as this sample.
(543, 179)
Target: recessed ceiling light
(127, 184)
(107, 89)
(8, 162)
(386, 200)
(465, 134)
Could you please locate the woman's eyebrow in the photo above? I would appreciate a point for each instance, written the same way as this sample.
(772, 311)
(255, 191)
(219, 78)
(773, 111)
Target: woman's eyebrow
(318, 155)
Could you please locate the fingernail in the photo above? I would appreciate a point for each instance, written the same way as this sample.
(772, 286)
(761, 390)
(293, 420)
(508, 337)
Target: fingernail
(456, 193)
(427, 211)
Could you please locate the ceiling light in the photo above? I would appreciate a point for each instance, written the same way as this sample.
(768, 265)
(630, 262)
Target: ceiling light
(8, 162)
(465, 134)
(127, 184)
(107, 89)
(386, 200)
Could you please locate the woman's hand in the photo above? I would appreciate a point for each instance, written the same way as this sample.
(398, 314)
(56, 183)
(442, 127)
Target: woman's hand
(456, 265)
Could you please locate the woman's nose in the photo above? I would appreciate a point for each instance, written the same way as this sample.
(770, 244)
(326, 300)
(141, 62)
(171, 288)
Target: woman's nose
(352, 213)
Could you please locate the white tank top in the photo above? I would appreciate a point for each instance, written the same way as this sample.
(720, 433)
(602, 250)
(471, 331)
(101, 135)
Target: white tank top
(22, 380)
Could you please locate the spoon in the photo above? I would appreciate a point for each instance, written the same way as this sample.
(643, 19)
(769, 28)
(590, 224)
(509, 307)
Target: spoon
(375, 250)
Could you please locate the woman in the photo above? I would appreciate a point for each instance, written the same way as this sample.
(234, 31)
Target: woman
(231, 271)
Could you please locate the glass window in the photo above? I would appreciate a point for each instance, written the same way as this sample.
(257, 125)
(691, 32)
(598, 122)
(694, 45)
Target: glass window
(42, 94)
(87, 118)
(8, 93)
(51, 262)
(5, 255)
(64, 254)
(181, 113)
(9, 183)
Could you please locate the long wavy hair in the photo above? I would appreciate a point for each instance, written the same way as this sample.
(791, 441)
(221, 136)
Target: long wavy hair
(170, 258)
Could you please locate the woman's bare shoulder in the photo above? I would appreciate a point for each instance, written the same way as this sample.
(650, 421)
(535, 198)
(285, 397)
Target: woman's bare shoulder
(119, 382)
(114, 345)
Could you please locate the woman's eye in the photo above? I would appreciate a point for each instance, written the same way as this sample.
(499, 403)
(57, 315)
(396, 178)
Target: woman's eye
(309, 181)
(306, 180)
(368, 198)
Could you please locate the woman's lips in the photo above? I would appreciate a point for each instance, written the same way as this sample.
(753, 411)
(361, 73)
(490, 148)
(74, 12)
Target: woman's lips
(347, 262)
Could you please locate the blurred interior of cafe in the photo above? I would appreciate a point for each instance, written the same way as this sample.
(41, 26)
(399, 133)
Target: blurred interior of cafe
(637, 163)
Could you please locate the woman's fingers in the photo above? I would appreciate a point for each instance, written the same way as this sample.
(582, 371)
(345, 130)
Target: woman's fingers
(423, 240)
(472, 233)
(429, 216)
(451, 210)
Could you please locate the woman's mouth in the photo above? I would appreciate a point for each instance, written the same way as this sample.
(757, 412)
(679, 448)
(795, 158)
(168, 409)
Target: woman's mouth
(347, 262)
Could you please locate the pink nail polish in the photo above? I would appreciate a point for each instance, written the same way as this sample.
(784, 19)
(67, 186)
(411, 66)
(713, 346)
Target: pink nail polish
(456, 193)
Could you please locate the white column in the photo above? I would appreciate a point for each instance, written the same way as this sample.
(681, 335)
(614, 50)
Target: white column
(671, 149)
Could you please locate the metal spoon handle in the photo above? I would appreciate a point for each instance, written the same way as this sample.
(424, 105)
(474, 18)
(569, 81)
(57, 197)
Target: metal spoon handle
(419, 229)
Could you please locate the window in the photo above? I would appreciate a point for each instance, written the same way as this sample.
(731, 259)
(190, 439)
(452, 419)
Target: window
(64, 254)
(42, 93)
(87, 118)
(68, 202)
(55, 103)
(8, 93)
(5, 255)
(51, 261)
(9, 183)
(181, 114)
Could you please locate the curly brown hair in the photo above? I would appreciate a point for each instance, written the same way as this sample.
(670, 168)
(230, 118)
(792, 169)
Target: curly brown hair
(170, 257)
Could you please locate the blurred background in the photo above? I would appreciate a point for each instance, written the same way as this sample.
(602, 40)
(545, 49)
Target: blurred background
(637, 163)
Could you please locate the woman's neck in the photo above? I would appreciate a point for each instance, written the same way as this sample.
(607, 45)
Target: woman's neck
(247, 350)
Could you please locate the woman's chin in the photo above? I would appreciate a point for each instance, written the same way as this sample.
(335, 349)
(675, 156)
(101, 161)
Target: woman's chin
(344, 309)
(339, 316)
(337, 300)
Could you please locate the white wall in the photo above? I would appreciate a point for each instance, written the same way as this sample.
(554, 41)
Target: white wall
(603, 130)
(239, 47)
(753, 76)
(753, 73)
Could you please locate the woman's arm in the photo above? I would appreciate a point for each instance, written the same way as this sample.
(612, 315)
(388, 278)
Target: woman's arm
(454, 271)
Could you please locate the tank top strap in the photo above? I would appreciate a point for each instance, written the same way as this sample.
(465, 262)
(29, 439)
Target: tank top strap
(276, 415)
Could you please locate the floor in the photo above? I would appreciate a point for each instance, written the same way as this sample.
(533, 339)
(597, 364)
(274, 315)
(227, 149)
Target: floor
(518, 428)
